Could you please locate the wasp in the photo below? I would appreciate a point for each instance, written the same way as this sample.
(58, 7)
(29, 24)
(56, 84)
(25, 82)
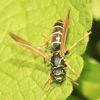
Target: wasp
(58, 50)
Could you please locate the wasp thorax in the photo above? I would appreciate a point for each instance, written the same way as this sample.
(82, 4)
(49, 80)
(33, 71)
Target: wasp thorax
(57, 60)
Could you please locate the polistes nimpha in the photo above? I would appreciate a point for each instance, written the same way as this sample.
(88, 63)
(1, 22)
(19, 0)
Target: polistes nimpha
(57, 61)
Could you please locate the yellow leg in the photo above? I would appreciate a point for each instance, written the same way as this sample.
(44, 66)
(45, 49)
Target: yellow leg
(74, 82)
(47, 40)
(45, 36)
(46, 43)
(47, 84)
(72, 70)
(76, 43)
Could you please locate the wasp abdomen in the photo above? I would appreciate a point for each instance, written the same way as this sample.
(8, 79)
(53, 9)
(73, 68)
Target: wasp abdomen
(57, 33)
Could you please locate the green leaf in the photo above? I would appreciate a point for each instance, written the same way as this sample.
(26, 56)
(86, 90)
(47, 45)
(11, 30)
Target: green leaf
(89, 80)
(22, 73)
(96, 9)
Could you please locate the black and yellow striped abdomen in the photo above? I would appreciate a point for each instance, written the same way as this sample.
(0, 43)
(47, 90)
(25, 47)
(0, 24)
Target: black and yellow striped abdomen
(56, 37)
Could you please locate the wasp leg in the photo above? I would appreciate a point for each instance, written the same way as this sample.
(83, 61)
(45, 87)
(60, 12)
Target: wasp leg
(46, 43)
(72, 70)
(74, 82)
(76, 43)
(45, 36)
(47, 84)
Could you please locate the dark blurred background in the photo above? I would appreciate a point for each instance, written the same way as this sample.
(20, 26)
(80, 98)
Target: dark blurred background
(93, 48)
(91, 71)
(89, 81)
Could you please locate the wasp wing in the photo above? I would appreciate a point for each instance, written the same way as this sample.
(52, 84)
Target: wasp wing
(28, 45)
(64, 35)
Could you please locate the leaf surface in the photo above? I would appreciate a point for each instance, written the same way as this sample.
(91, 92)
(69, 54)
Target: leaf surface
(89, 80)
(22, 73)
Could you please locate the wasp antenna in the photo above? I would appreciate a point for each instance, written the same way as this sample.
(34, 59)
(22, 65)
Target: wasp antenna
(74, 82)
(72, 70)
(47, 84)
